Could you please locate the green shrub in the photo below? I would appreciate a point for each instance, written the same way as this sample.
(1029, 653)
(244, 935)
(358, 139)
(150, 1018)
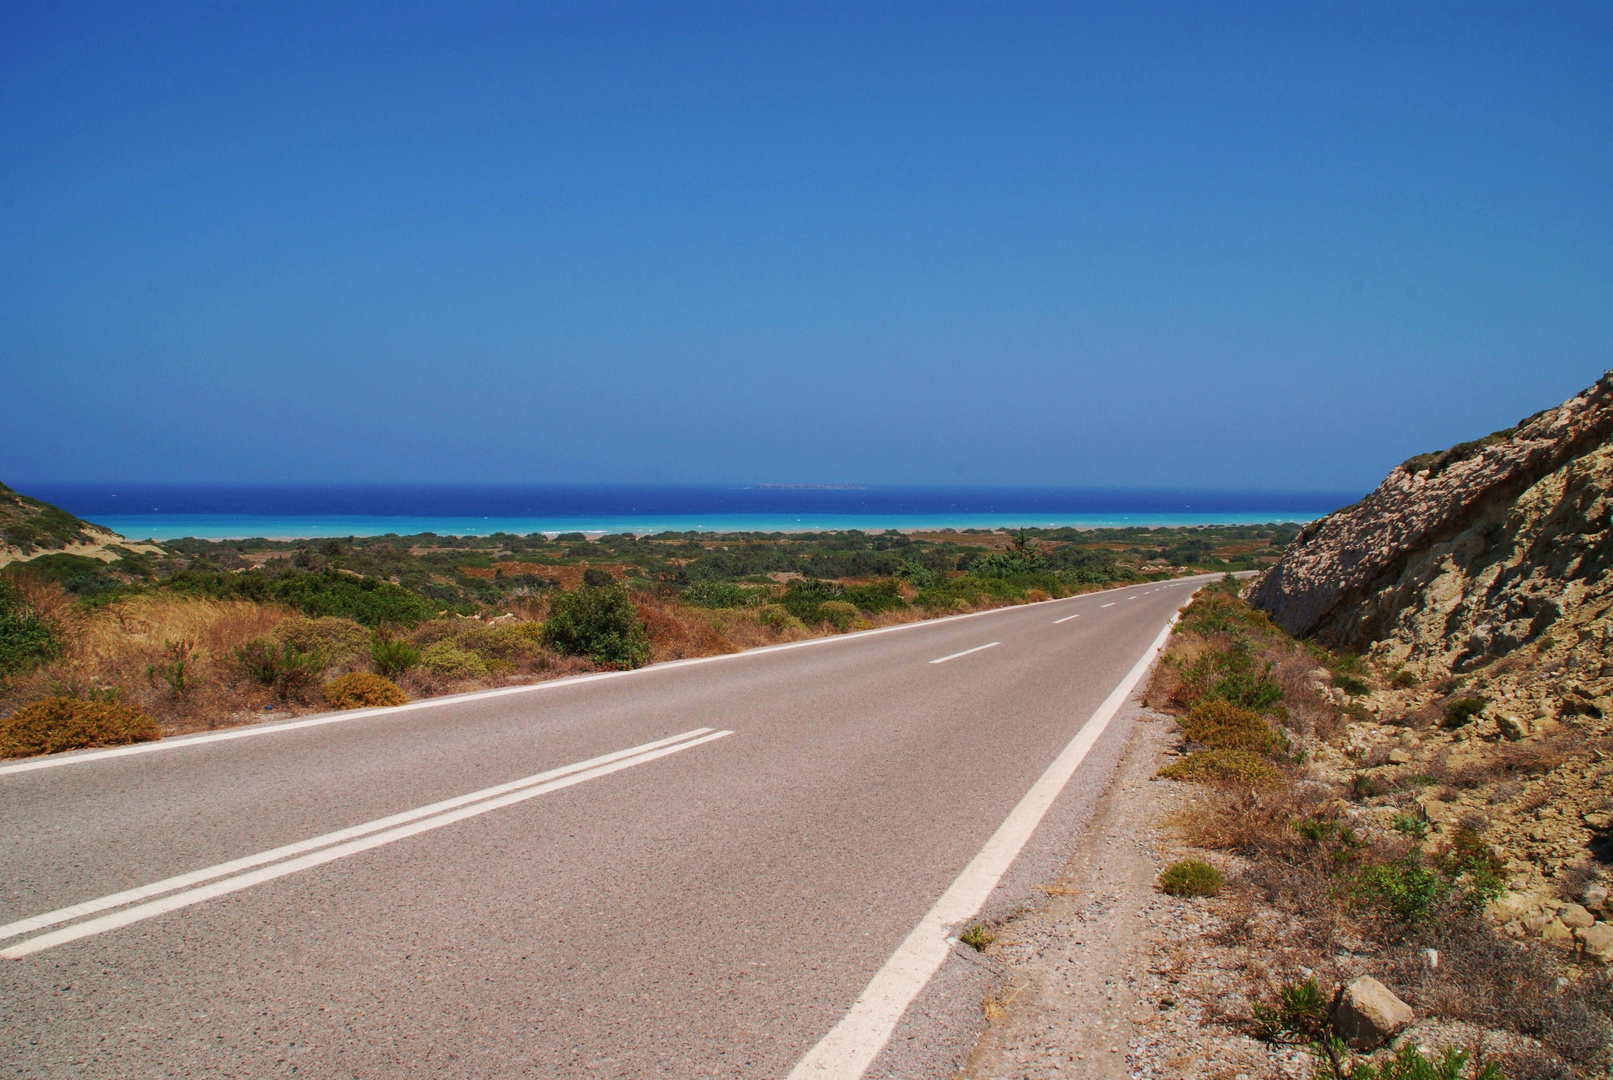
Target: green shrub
(1217, 724)
(284, 667)
(725, 594)
(779, 618)
(1191, 877)
(56, 724)
(1461, 711)
(362, 690)
(447, 658)
(1352, 686)
(600, 624)
(1474, 867)
(1405, 889)
(1301, 1014)
(1242, 767)
(838, 614)
(918, 575)
(595, 578)
(1249, 689)
(1404, 679)
(880, 596)
(392, 655)
(26, 639)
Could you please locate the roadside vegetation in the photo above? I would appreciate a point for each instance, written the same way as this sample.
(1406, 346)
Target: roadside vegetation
(204, 633)
(1328, 866)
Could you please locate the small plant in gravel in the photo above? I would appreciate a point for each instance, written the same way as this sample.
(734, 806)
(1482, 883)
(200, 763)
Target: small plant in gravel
(1351, 685)
(1462, 711)
(1191, 877)
(977, 937)
(1300, 1015)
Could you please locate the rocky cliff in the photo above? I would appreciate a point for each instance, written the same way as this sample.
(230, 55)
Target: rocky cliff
(1461, 557)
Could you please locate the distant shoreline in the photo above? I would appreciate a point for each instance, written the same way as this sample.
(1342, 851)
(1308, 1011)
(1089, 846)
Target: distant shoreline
(300, 527)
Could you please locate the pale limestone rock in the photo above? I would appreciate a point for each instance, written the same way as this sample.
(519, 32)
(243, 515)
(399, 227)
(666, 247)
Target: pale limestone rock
(1511, 727)
(1575, 917)
(1368, 1014)
(1596, 941)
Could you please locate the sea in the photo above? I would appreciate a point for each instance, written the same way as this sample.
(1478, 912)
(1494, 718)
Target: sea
(285, 511)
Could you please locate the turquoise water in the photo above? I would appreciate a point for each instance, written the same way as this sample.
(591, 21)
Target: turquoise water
(240, 526)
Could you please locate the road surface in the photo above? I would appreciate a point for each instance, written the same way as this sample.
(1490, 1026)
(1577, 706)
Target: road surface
(695, 869)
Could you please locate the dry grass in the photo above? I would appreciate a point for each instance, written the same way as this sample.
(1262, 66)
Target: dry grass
(122, 647)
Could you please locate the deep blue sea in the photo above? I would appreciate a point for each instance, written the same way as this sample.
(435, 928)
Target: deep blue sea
(232, 511)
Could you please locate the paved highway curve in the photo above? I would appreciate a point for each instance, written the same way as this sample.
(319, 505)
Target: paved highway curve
(690, 870)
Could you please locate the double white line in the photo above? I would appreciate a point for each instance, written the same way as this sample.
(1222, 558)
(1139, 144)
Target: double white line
(237, 874)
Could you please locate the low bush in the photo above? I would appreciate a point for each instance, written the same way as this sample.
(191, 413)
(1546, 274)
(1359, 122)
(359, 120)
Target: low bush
(1405, 889)
(53, 725)
(880, 596)
(286, 669)
(839, 614)
(725, 594)
(1352, 686)
(1217, 724)
(1191, 877)
(1242, 767)
(1461, 711)
(392, 655)
(777, 617)
(447, 658)
(362, 690)
(599, 624)
(510, 642)
(26, 638)
(342, 642)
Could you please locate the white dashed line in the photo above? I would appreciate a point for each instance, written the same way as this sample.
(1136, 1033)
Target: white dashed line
(1067, 618)
(965, 652)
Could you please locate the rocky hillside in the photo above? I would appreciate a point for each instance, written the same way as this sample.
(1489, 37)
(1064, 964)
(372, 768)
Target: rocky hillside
(29, 528)
(1475, 584)
(1460, 558)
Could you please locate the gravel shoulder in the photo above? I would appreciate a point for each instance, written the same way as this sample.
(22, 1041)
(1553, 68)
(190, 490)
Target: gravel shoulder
(1108, 977)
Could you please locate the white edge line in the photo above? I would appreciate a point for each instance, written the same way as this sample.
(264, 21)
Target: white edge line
(257, 877)
(196, 877)
(852, 1045)
(965, 652)
(252, 730)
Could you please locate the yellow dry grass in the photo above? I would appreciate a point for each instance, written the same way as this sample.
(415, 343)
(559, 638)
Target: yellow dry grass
(116, 648)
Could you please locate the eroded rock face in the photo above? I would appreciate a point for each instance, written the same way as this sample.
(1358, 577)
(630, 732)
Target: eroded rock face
(1462, 557)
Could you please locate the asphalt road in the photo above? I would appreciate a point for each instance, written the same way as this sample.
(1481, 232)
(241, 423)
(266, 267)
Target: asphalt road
(712, 911)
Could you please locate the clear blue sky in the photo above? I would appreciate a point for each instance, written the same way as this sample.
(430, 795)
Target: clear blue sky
(1219, 245)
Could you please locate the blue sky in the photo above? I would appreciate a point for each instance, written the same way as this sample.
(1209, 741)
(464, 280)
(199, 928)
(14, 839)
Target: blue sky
(1214, 245)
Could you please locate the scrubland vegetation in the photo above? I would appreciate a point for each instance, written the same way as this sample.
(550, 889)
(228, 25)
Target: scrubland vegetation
(1333, 871)
(211, 633)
